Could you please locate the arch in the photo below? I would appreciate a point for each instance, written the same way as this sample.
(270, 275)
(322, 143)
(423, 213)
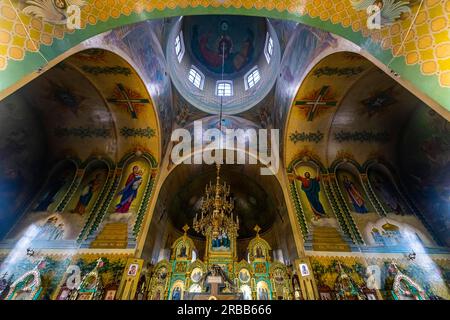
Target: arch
(50, 199)
(323, 127)
(138, 153)
(404, 61)
(76, 162)
(307, 158)
(162, 219)
(103, 158)
(343, 161)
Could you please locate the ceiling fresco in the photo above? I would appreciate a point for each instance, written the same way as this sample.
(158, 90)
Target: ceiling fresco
(344, 103)
(129, 103)
(24, 148)
(305, 45)
(73, 112)
(425, 65)
(425, 165)
(318, 99)
(243, 41)
(254, 206)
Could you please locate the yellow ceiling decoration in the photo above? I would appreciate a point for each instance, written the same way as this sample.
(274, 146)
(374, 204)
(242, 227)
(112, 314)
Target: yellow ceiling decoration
(318, 99)
(427, 44)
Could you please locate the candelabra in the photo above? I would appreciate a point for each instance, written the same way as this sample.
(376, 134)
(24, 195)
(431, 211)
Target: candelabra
(216, 212)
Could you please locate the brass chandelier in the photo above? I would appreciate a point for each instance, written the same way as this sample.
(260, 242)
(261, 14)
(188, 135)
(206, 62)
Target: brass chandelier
(216, 212)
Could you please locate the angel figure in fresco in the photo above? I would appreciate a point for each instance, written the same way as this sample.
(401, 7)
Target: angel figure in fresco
(390, 10)
(54, 11)
(311, 187)
(129, 192)
(354, 196)
(86, 194)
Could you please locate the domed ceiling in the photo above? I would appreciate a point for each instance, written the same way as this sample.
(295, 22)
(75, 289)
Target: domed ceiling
(194, 44)
(243, 39)
(253, 204)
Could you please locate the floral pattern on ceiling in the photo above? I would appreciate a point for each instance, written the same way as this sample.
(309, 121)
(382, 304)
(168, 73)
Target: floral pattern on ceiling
(426, 45)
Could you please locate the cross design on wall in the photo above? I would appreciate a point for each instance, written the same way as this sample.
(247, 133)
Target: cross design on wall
(316, 103)
(124, 97)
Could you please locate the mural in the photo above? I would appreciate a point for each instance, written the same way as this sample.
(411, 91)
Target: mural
(387, 192)
(83, 201)
(89, 189)
(320, 227)
(120, 222)
(387, 232)
(22, 148)
(134, 180)
(313, 197)
(304, 45)
(236, 41)
(353, 192)
(141, 43)
(425, 166)
(42, 212)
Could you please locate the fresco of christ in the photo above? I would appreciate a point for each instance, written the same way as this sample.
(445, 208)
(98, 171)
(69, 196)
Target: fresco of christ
(311, 187)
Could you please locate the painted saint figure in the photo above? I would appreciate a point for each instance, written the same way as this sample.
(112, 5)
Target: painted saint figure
(50, 195)
(311, 187)
(221, 242)
(176, 295)
(355, 197)
(129, 192)
(387, 193)
(86, 194)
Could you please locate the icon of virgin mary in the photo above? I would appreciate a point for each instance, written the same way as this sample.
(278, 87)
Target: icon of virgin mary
(130, 191)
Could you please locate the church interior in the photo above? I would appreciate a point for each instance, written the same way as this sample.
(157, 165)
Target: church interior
(95, 207)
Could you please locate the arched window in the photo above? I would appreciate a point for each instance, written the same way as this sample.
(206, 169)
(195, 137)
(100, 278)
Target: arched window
(268, 48)
(179, 46)
(224, 88)
(252, 77)
(196, 77)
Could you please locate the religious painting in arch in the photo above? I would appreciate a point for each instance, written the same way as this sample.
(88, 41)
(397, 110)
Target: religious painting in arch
(177, 291)
(134, 180)
(221, 242)
(183, 250)
(244, 275)
(263, 291)
(259, 252)
(80, 206)
(41, 213)
(386, 191)
(353, 192)
(55, 188)
(314, 201)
